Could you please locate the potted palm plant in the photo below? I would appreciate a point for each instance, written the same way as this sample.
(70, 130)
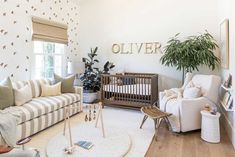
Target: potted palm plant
(189, 54)
(91, 78)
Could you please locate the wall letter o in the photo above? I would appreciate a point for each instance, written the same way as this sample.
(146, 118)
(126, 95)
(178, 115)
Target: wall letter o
(116, 48)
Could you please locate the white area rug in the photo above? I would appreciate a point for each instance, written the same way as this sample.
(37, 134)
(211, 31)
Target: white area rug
(115, 140)
(123, 119)
(130, 121)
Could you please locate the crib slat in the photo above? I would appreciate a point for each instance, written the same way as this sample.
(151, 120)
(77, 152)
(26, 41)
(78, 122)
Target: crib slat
(106, 87)
(115, 88)
(108, 93)
(118, 91)
(133, 91)
(136, 92)
(144, 90)
(125, 91)
(129, 93)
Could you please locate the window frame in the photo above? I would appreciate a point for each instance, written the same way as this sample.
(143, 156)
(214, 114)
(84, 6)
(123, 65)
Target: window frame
(34, 54)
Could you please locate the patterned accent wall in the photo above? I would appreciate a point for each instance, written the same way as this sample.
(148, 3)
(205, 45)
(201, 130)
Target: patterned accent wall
(16, 46)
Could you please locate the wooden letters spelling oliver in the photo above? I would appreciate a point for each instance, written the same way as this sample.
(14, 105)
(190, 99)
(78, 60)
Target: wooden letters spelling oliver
(137, 48)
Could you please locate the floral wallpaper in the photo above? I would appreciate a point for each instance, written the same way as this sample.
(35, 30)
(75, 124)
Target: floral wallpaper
(16, 46)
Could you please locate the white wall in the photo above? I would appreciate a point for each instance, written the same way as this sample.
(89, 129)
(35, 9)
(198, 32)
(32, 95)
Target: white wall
(16, 46)
(226, 9)
(105, 22)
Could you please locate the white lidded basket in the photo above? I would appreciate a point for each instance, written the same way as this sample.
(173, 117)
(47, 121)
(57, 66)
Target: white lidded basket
(210, 128)
(89, 97)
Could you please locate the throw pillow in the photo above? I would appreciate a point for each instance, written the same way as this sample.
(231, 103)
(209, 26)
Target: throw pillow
(189, 85)
(6, 94)
(67, 84)
(192, 92)
(50, 90)
(23, 95)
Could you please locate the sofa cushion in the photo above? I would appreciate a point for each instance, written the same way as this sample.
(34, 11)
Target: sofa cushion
(67, 84)
(6, 94)
(23, 95)
(36, 87)
(192, 93)
(43, 105)
(209, 85)
(19, 84)
(51, 90)
(34, 84)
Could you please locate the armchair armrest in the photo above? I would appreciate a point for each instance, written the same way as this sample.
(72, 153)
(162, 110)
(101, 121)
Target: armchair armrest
(161, 95)
(161, 101)
(190, 112)
(197, 103)
(79, 90)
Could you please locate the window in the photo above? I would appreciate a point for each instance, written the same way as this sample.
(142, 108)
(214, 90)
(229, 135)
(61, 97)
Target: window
(49, 59)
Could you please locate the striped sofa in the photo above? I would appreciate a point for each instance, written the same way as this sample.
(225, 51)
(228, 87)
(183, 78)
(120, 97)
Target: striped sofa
(42, 112)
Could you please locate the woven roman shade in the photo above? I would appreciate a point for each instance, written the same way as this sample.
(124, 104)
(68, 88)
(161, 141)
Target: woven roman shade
(45, 30)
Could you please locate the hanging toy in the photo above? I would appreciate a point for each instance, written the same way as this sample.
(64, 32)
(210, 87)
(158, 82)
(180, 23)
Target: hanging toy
(90, 113)
(94, 113)
(86, 116)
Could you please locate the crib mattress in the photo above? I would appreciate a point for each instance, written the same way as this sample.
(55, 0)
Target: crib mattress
(136, 89)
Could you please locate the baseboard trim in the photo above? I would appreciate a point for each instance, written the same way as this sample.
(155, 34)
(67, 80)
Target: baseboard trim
(228, 127)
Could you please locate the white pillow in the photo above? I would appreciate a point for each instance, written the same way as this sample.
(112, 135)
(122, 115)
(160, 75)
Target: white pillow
(190, 84)
(23, 95)
(192, 92)
(50, 90)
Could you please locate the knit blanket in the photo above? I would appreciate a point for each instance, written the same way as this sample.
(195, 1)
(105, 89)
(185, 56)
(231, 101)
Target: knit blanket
(8, 125)
(170, 105)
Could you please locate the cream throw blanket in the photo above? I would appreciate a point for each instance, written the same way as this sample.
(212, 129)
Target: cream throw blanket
(170, 105)
(8, 124)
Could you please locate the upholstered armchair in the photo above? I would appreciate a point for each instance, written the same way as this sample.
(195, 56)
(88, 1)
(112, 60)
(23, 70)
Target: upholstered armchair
(185, 103)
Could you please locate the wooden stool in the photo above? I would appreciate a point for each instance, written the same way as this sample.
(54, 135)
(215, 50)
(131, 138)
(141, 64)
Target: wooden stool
(157, 115)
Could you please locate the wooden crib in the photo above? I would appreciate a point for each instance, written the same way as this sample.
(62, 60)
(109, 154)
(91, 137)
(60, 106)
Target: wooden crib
(131, 90)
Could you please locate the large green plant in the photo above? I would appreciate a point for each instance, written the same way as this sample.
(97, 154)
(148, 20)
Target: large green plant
(189, 54)
(91, 78)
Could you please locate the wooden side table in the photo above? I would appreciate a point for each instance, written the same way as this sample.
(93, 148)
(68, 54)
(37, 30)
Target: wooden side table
(157, 115)
(19, 152)
(5, 149)
(23, 141)
(210, 128)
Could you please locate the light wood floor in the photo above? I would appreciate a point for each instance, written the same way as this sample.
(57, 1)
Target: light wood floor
(188, 145)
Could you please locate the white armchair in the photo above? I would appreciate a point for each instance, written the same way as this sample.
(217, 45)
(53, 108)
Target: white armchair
(186, 111)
